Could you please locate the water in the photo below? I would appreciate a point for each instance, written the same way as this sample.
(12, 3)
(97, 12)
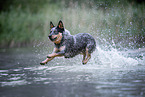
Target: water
(109, 73)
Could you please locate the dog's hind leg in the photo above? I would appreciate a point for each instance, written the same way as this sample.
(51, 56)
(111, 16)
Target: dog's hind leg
(88, 56)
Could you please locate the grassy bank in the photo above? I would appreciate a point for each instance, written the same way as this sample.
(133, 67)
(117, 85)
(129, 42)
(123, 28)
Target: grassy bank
(121, 23)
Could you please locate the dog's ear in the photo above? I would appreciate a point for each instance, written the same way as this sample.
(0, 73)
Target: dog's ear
(51, 25)
(60, 25)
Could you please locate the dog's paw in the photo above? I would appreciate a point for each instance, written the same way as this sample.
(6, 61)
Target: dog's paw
(48, 57)
(42, 63)
(83, 63)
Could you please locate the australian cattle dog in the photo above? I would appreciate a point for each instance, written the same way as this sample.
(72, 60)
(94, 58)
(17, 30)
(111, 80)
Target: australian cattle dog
(68, 45)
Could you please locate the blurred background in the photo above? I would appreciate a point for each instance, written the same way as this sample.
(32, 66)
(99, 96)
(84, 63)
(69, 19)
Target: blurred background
(25, 23)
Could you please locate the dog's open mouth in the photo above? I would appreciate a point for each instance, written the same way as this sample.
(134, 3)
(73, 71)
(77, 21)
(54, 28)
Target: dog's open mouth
(53, 39)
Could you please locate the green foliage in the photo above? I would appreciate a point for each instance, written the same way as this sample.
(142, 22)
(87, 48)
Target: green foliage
(27, 21)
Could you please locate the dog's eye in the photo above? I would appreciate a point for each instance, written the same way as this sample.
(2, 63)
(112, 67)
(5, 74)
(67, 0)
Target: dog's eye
(50, 31)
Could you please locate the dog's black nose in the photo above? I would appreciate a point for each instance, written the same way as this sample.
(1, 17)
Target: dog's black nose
(50, 37)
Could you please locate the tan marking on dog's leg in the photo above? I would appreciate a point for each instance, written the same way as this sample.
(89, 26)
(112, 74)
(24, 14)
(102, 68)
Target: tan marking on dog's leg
(87, 59)
(88, 56)
(46, 60)
(53, 55)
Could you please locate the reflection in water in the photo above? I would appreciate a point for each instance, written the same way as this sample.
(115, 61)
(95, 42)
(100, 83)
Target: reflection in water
(108, 73)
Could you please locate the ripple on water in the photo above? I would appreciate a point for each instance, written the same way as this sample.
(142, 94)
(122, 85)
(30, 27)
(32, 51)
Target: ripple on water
(14, 83)
(1, 71)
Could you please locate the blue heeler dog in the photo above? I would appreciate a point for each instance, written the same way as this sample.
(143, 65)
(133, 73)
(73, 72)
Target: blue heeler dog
(68, 45)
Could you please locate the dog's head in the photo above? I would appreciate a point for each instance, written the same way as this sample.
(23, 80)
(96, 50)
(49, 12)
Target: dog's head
(56, 32)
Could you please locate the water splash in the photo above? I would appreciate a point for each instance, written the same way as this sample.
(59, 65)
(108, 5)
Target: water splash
(107, 54)
(114, 58)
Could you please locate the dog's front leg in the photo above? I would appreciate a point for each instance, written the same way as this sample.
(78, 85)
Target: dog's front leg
(49, 59)
(58, 54)
(45, 61)
(51, 56)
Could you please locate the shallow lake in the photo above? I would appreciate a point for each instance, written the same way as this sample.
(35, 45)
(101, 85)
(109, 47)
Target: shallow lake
(109, 73)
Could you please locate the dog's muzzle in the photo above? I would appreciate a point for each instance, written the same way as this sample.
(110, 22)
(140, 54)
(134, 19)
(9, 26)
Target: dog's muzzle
(52, 39)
